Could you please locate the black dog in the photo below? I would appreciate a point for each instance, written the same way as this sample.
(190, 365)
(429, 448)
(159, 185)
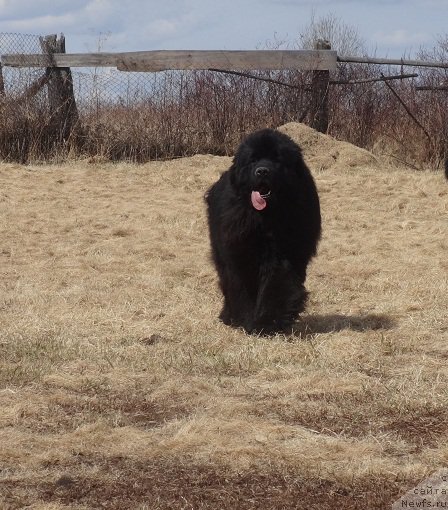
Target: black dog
(264, 223)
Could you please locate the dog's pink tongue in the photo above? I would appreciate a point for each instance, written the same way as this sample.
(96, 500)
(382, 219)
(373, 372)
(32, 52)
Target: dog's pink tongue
(257, 200)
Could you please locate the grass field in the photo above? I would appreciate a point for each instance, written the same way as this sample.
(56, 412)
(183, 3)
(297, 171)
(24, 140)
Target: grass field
(120, 389)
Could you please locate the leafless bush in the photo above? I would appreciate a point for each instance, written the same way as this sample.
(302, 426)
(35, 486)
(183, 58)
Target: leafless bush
(179, 113)
(343, 37)
(434, 103)
(142, 116)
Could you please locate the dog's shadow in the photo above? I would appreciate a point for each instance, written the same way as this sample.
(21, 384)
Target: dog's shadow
(316, 324)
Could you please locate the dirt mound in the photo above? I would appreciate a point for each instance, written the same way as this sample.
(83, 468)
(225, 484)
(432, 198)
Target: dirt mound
(322, 152)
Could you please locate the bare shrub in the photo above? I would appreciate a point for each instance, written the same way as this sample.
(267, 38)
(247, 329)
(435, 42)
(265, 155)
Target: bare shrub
(343, 37)
(144, 116)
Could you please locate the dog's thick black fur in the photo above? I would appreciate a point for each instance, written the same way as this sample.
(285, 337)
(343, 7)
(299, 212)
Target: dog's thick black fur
(264, 223)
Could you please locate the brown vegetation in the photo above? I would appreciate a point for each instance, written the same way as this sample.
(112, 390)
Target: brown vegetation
(165, 115)
(120, 388)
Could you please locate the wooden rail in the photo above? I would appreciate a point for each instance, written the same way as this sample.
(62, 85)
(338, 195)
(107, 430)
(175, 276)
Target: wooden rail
(393, 61)
(162, 60)
(183, 59)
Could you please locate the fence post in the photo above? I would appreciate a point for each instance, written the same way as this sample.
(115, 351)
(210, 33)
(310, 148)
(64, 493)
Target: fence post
(61, 97)
(319, 89)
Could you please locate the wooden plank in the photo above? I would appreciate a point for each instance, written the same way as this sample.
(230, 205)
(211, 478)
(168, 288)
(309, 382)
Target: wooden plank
(393, 61)
(61, 60)
(183, 59)
(233, 60)
(166, 59)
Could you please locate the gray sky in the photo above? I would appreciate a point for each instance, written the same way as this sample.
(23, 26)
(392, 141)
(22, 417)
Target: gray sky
(391, 28)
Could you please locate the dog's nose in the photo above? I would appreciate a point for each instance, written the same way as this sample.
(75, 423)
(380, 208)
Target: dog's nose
(261, 171)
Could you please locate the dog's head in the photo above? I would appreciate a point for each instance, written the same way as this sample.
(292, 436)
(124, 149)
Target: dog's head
(265, 163)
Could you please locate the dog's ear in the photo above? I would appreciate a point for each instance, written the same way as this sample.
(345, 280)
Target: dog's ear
(290, 155)
(238, 170)
(235, 176)
(239, 178)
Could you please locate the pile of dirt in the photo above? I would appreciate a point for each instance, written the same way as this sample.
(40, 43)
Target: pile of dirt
(322, 152)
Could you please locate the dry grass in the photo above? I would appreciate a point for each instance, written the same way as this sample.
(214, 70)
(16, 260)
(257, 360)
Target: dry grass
(120, 388)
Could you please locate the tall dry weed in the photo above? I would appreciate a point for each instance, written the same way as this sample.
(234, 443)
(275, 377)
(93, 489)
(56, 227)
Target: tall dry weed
(142, 117)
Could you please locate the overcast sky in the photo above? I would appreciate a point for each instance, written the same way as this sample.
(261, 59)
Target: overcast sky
(391, 28)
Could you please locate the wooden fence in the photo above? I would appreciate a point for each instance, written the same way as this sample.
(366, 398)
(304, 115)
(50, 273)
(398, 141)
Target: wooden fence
(185, 60)
(320, 61)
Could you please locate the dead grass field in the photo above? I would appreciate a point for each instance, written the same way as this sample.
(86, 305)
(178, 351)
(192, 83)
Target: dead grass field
(120, 389)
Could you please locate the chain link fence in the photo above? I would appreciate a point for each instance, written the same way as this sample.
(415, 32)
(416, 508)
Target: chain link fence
(15, 79)
(176, 113)
(143, 116)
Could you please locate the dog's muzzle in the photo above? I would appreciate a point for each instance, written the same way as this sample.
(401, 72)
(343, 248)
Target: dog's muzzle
(262, 171)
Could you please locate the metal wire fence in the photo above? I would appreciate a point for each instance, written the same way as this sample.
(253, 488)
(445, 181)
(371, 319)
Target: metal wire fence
(142, 116)
(15, 79)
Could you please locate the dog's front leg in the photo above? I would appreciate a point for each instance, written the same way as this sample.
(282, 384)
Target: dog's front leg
(281, 297)
(239, 301)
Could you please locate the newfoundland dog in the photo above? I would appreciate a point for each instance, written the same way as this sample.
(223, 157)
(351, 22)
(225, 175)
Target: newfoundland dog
(264, 223)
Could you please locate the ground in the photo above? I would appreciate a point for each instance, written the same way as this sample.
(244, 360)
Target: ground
(119, 387)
